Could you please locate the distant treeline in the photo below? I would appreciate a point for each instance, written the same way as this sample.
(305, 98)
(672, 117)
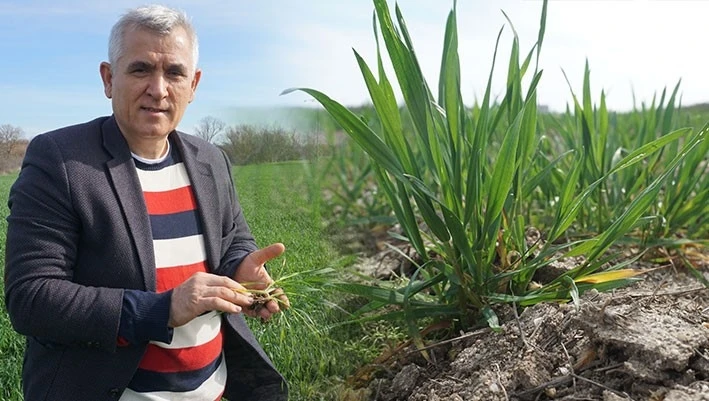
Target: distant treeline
(250, 144)
(297, 133)
(307, 132)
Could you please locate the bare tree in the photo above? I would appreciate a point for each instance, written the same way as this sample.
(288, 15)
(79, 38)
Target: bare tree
(209, 128)
(9, 137)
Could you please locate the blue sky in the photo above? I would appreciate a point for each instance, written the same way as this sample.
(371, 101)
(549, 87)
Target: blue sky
(252, 50)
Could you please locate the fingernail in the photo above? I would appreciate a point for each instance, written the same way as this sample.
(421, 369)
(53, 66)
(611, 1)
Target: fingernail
(237, 308)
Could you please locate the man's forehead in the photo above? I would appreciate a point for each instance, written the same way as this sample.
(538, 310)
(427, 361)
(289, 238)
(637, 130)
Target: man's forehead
(154, 59)
(152, 62)
(143, 46)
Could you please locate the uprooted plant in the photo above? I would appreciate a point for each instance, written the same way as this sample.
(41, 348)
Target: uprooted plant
(289, 290)
(263, 296)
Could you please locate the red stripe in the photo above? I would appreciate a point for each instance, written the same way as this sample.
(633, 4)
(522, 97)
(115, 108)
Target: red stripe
(173, 201)
(166, 360)
(170, 277)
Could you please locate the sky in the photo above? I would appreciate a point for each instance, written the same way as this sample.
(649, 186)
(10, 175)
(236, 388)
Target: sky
(250, 51)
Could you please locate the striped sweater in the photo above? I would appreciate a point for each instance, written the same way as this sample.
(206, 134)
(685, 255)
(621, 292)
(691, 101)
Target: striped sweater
(191, 366)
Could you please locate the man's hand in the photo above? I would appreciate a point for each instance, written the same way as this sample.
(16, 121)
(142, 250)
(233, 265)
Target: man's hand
(206, 292)
(253, 275)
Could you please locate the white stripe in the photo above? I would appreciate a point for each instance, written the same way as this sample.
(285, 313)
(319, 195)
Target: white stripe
(165, 179)
(179, 251)
(209, 390)
(200, 330)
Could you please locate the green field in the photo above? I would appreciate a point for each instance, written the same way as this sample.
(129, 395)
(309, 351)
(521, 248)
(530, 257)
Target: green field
(277, 207)
(11, 344)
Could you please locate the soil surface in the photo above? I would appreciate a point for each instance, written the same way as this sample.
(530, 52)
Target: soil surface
(647, 341)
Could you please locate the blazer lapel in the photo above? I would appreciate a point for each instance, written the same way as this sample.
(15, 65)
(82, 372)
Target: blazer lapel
(128, 189)
(205, 192)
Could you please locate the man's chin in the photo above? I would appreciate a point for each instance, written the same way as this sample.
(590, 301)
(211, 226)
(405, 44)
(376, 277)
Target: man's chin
(156, 131)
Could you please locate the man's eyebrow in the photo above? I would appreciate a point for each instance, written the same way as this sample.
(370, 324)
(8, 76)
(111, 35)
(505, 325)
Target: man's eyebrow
(143, 65)
(177, 67)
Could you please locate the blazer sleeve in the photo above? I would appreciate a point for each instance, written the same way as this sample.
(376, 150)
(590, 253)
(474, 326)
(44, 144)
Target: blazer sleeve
(41, 253)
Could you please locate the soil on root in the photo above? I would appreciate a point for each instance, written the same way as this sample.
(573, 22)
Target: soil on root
(648, 341)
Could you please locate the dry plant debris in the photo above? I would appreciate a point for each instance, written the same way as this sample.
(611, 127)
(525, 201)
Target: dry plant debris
(648, 341)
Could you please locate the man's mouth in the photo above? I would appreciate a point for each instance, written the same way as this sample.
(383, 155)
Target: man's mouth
(153, 110)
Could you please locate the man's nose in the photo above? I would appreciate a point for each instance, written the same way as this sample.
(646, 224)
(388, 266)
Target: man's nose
(157, 86)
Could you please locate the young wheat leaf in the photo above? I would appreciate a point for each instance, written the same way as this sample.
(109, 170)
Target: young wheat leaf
(573, 291)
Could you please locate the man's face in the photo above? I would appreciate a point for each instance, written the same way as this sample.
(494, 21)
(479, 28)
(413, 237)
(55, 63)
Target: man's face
(151, 85)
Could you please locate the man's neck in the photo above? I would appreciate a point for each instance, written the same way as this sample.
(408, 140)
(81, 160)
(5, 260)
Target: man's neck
(149, 149)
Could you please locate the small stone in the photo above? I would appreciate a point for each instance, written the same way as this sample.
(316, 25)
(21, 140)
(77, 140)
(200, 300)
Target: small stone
(550, 392)
(405, 381)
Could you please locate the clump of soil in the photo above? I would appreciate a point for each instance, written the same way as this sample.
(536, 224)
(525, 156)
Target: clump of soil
(648, 341)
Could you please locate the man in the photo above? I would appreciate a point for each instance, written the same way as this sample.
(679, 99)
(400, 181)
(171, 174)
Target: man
(126, 244)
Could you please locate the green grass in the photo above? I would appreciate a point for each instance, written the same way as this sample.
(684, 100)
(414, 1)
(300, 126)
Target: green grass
(276, 202)
(12, 345)
(278, 209)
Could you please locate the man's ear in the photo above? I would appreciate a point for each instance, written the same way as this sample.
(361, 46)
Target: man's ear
(107, 78)
(195, 82)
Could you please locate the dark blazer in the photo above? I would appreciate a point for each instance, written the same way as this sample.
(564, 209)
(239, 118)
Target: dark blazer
(79, 234)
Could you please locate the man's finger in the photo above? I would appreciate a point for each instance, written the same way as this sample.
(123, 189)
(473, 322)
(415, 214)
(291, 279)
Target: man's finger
(219, 304)
(272, 307)
(265, 312)
(263, 255)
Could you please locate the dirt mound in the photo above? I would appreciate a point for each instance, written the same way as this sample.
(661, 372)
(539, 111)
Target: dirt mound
(648, 341)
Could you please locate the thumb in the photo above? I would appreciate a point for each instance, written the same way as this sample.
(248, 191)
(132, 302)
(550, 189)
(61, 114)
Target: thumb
(261, 256)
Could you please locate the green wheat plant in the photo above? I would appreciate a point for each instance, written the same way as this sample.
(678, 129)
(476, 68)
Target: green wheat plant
(592, 129)
(677, 218)
(462, 183)
(355, 196)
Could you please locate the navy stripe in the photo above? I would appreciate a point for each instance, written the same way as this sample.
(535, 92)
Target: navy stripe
(175, 225)
(145, 381)
(173, 158)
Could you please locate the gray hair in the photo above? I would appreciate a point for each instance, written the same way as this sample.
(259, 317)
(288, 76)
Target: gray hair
(156, 18)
